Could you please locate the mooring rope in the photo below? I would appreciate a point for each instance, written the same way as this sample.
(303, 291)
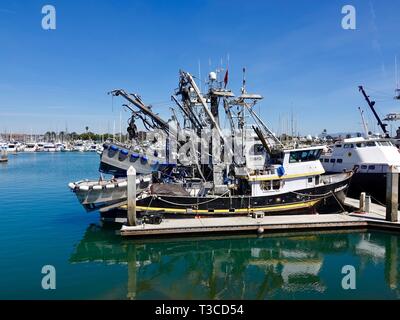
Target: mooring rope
(325, 195)
(198, 203)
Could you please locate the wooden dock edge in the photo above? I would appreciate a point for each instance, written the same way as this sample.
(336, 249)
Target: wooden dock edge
(129, 232)
(374, 220)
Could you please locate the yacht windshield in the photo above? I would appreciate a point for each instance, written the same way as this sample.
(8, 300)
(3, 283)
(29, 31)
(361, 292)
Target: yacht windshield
(305, 155)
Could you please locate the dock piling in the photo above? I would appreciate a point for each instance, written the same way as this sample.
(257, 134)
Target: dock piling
(362, 201)
(131, 194)
(392, 185)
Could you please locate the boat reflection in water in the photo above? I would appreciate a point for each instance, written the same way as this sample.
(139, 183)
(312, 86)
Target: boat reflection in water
(276, 266)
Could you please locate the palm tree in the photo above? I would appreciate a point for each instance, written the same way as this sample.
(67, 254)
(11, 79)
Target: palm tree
(62, 136)
(47, 136)
(73, 135)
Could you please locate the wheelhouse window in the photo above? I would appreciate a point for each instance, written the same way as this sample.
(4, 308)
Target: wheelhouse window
(371, 168)
(333, 160)
(276, 184)
(385, 143)
(258, 149)
(277, 158)
(348, 145)
(371, 144)
(304, 156)
(364, 167)
(339, 160)
(326, 160)
(360, 145)
(265, 185)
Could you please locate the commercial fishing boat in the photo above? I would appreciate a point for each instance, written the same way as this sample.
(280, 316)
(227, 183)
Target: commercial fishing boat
(201, 169)
(369, 157)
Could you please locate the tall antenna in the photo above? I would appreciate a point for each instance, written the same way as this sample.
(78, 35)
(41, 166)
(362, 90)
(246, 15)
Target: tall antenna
(201, 90)
(395, 71)
(244, 81)
(291, 120)
(120, 126)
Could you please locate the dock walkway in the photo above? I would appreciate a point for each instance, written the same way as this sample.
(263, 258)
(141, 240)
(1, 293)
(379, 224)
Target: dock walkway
(374, 219)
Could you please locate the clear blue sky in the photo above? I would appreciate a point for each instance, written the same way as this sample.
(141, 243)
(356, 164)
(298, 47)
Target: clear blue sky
(296, 54)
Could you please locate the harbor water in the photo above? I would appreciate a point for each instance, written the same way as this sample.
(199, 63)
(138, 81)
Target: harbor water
(42, 223)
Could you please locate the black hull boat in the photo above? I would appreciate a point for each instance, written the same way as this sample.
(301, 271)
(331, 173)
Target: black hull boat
(197, 168)
(373, 184)
(329, 195)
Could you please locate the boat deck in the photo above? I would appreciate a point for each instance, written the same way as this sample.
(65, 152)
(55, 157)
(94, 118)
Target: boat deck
(346, 220)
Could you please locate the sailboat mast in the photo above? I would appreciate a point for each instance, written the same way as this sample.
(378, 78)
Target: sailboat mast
(363, 122)
(395, 71)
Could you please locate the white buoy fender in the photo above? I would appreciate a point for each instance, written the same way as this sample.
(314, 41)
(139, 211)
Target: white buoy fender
(97, 187)
(84, 188)
(110, 186)
(71, 185)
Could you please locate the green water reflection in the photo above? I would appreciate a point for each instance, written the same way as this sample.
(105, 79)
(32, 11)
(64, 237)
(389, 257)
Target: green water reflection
(296, 266)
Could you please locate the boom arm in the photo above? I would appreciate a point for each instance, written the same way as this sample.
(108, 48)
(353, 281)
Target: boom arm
(371, 105)
(135, 100)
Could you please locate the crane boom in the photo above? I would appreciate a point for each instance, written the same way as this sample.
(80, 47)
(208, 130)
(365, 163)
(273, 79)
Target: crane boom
(135, 100)
(371, 105)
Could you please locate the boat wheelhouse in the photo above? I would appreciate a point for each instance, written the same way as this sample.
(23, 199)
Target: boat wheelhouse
(295, 169)
(372, 155)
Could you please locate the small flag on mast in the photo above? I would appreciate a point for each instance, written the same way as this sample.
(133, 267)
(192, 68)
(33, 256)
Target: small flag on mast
(226, 78)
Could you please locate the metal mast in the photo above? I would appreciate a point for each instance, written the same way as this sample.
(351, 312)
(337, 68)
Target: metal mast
(363, 122)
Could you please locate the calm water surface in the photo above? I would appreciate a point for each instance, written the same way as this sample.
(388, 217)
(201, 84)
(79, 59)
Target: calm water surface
(42, 223)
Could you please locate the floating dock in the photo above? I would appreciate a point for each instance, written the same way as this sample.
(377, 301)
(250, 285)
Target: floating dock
(264, 224)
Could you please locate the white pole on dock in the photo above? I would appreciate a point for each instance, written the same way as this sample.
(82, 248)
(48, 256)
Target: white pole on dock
(362, 202)
(392, 193)
(131, 193)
